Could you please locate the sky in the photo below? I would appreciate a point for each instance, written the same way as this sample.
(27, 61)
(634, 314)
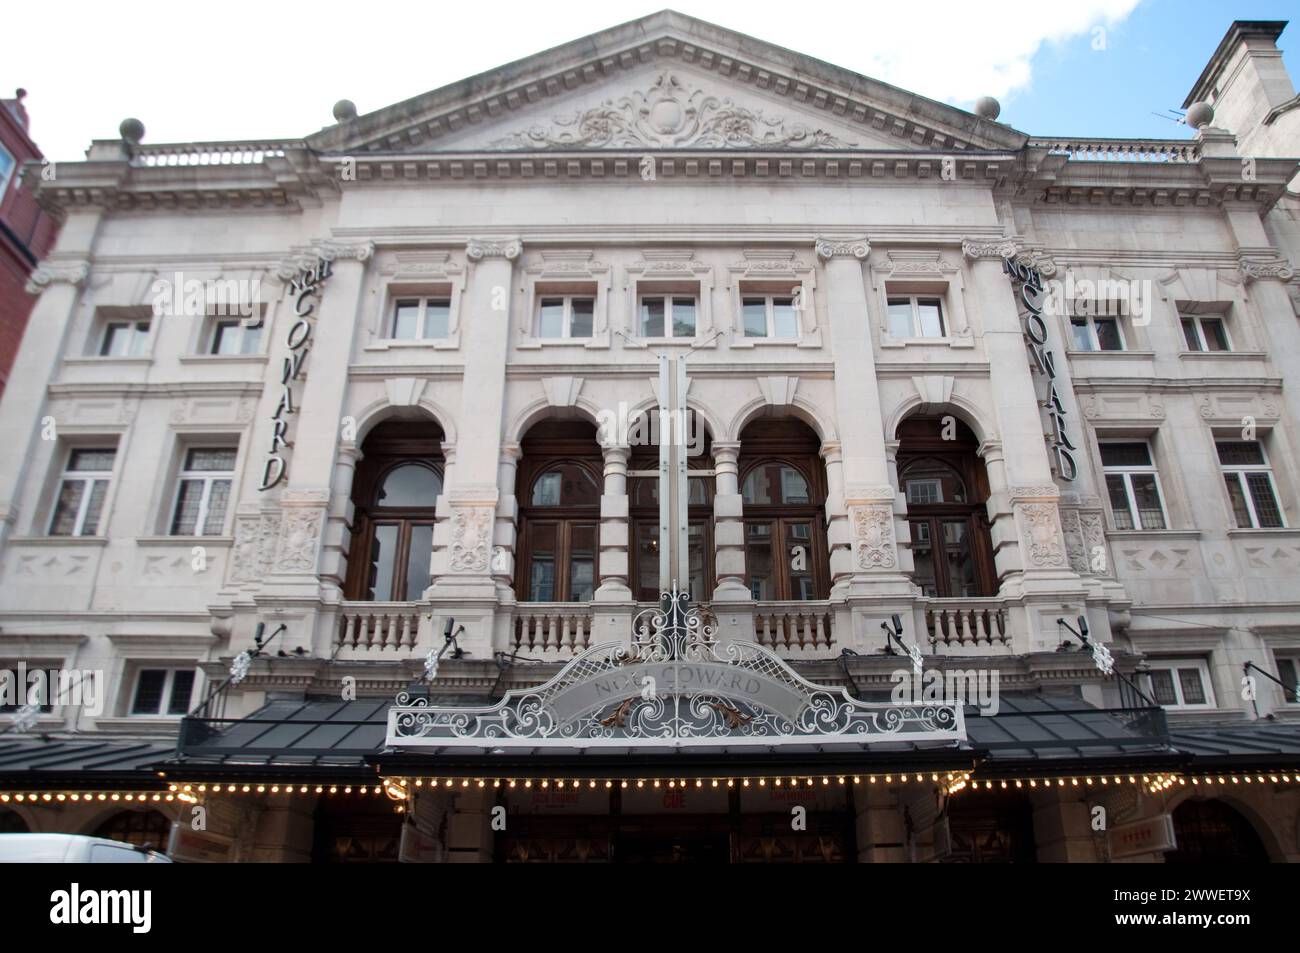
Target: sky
(249, 69)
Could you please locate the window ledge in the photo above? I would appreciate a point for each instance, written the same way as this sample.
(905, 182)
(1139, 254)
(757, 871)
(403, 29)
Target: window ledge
(1124, 353)
(59, 541)
(1254, 531)
(390, 344)
(185, 541)
(1222, 355)
(223, 358)
(148, 723)
(1156, 533)
(142, 360)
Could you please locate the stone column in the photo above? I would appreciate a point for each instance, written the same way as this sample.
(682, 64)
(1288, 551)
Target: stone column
(614, 528)
(865, 507)
(468, 589)
(728, 526)
(506, 536)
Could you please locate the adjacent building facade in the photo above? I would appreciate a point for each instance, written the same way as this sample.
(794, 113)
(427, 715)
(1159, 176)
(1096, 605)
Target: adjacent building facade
(305, 414)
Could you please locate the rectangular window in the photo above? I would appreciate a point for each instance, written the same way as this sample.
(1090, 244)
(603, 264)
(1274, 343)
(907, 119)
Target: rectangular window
(1205, 333)
(124, 339)
(420, 319)
(916, 317)
(82, 490)
(770, 316)
(1133, 485)
(230, 337)
(667, 316)
(7, 166)
(163, 691)
(1181, 683)
(1249, 480)
(1092, 333)
(1288, 673)
(203, 491)
(565, 316)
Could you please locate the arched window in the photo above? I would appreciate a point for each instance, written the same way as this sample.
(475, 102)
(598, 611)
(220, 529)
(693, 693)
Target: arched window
(12, 823)
(395, 497)
(643, 498)
(1212, 832)
(945, 487)
(783, 490)
(142, 828)
(559, 488)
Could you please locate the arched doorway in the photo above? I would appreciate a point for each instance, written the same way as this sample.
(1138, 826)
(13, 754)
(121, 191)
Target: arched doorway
(143, 828)
(12, 823)
(395, 496)
(1212, 832)
(990, 829)
(558, 485)
(783, 492)
(946, 488)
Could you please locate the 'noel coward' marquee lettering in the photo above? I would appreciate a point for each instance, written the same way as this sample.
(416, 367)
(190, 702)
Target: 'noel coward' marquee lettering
(1033, 296)
(304, 287)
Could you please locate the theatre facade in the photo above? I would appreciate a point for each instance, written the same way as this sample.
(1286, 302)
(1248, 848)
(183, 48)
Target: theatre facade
(667, 447)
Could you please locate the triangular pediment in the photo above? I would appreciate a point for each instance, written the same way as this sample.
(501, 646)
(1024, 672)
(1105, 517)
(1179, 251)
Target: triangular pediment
(666, 81)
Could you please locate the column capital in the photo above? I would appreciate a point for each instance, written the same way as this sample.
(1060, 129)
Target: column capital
(728, 450)
(999, 249)
(828, 248)
(831, 451)
(510, 452)
(477, 249)
(53, 273)
(1256, 267)
(344, 251)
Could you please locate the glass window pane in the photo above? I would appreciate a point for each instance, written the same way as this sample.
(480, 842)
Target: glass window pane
(794, 488)
(923, 560)
(1287, 674)
(186, 519)
(383, 562)
(250, 340)
(581, 321)
(410, 485)
(683, 317)
(182, 690)
(798, 556)
(697, 561)
(406, 320)
(66, 509)
(1147, 496)
(437, 317)
(98, 490)
(227, 338)
(541, 568)
(754, 311)
(210, 459)
(1189, 335)
(1118, 494)
(218, 498)
(1082, 337)
(652, 317)
(1216, 337)
(1108, 334)
(1189, 679)
(1267, 511)
(1162, 684)
(758, 560)
(900, 317)
(139, 338)
(1240, 511)
(958, 560)
(582, 562)
(1125, 455)
(932, 481)
(149, 692)
(566, 485)
(550, 320)
(417, 560)
(647, 562)
(95, 460)
(785, 320)
(931, 318)
(116, 341)
(1240, 453)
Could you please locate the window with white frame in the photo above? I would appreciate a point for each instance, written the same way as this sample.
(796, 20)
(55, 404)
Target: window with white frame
(1205, 332)
(128, 338)
(82, 490)
(562, 316)
(1092, 332)
(162, 691)
(1133, 485)
(203, 491)
(420, 318)
(1181, 683)
(7, 166)
(231, 336)
(1288, 673)
(915, 316)
(770, 315)
(668, 315)
(15, 693)
(1249, 480)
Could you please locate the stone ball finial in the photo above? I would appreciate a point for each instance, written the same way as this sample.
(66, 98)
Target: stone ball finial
(132, 131)
(986, 107)
(20, 94)
(1199, 115)
(345, 111)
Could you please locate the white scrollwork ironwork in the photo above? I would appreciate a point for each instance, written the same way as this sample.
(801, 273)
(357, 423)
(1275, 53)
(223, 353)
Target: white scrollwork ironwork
(675, 686)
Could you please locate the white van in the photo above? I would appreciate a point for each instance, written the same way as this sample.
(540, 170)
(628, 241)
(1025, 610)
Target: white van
(73, 849)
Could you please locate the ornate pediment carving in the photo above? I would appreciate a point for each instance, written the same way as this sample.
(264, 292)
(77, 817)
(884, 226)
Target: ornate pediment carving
(670, 114)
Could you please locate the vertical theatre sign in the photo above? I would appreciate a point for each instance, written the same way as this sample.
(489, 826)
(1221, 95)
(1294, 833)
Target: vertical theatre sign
(304, 288)
(1033, 296)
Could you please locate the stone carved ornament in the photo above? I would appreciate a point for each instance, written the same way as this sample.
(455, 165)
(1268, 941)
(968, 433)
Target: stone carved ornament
(670, 114)
(299, 533)
(1046, 547)
(254, 550)
(471, 537)
(873, 532)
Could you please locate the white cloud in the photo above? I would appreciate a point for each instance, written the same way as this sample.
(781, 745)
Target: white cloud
(245, 69)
